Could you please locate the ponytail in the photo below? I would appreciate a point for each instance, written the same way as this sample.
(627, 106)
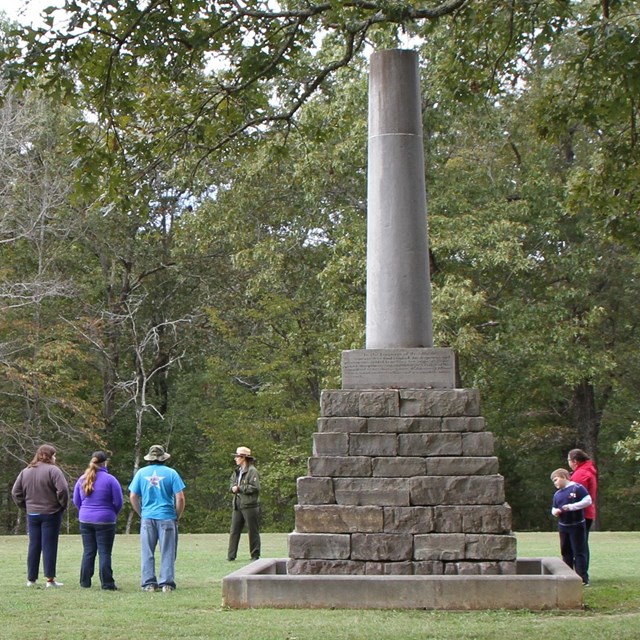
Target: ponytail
(89, 476)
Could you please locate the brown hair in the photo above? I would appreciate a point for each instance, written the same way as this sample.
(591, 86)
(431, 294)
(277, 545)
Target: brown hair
(89, 476)
(44, 453)
(561, 473)
(578, 455)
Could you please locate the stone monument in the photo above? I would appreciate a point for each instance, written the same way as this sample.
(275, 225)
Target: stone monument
(403, 479)
(403, 506)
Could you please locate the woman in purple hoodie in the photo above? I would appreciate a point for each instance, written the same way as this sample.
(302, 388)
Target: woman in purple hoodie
(98, 496)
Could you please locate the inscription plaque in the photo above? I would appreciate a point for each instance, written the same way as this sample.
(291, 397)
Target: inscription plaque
(422, 368)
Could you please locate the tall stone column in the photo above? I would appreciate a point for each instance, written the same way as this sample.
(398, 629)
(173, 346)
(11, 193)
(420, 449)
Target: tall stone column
(398, 286)
(399, 349)
(403, 478)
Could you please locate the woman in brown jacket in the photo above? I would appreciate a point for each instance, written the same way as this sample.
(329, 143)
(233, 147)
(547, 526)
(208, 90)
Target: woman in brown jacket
(42, 490)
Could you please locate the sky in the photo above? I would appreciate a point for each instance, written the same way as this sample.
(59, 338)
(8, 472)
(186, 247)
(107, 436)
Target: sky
(25, 11)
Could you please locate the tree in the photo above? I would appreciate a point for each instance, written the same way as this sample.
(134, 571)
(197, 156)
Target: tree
(533, 233)
(238, 68)
(220, 179)
(272, 252)
(42, 396)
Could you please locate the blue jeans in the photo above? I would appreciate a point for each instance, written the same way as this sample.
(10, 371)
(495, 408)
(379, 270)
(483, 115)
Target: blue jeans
(97, 539)
(162, 533)
(44, 531)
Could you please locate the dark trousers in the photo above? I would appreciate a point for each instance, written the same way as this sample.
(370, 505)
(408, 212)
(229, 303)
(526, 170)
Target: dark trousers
(44, 531)
(588, 522)
(573, 547)
(240, 517)
(97, 539)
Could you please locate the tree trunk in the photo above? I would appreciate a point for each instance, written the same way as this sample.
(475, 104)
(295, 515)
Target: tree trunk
(586, 418)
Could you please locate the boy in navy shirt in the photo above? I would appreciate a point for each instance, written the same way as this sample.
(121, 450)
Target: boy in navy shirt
(569, 502)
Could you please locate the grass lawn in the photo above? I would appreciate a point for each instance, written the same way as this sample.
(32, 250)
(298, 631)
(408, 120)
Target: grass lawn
(612, 603)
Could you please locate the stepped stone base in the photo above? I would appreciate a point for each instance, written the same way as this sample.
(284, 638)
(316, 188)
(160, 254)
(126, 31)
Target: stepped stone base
(402, 482)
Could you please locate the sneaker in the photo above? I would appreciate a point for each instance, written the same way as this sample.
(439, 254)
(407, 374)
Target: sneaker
(31, 583)
(167, 588)
(54, 583)
(150, 588)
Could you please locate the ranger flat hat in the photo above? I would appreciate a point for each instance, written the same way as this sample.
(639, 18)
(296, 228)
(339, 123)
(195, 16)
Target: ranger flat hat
(245, 452)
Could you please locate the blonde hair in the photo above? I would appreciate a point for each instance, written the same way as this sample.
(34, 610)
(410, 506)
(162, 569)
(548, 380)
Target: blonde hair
(561, 473)
(89, 476)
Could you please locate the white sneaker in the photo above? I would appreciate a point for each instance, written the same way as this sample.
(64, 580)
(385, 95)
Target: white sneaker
(167, 588)
(31, 583)
(54, 583)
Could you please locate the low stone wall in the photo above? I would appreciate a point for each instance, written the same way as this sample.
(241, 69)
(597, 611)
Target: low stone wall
(538, 584)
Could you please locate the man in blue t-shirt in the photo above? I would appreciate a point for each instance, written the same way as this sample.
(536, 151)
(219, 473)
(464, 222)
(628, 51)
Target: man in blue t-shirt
(157, 496)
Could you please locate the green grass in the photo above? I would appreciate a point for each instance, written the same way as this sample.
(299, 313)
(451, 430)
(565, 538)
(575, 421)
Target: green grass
(612, 603)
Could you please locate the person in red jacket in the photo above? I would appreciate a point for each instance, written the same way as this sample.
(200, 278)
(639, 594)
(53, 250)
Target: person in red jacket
(585, 473)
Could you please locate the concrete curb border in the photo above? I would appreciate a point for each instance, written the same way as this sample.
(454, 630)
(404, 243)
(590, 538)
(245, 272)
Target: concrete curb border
(539, 584)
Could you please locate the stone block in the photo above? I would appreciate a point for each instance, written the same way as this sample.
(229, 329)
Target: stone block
(439, 546)
(383, 547)
(490, 547)
(325, 567)
(428, 568)
(408, 520)
(330, 444)
(469, 568)
(477, 444)
(336, 403)
(381, 403)
(313, 546)
(372, 491)
(342, 425)
(403, 425)
(373, 444)
(465, 568)
(315, 490)
(473, 519)
(426, 425)
(430, 490)
(466, 424)
(439, 402)
(447, 519)
(338, 519)
(389, 568)
(462, 466)
(340, 466)
(399, 467)
(507, 567)
(492, 519)
(430, 444)
(454, 490)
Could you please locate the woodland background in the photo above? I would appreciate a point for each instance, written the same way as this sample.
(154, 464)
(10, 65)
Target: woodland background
(182, 233)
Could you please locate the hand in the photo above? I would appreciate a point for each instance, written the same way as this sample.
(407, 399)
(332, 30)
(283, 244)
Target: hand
(556, 512)
(235, 488)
